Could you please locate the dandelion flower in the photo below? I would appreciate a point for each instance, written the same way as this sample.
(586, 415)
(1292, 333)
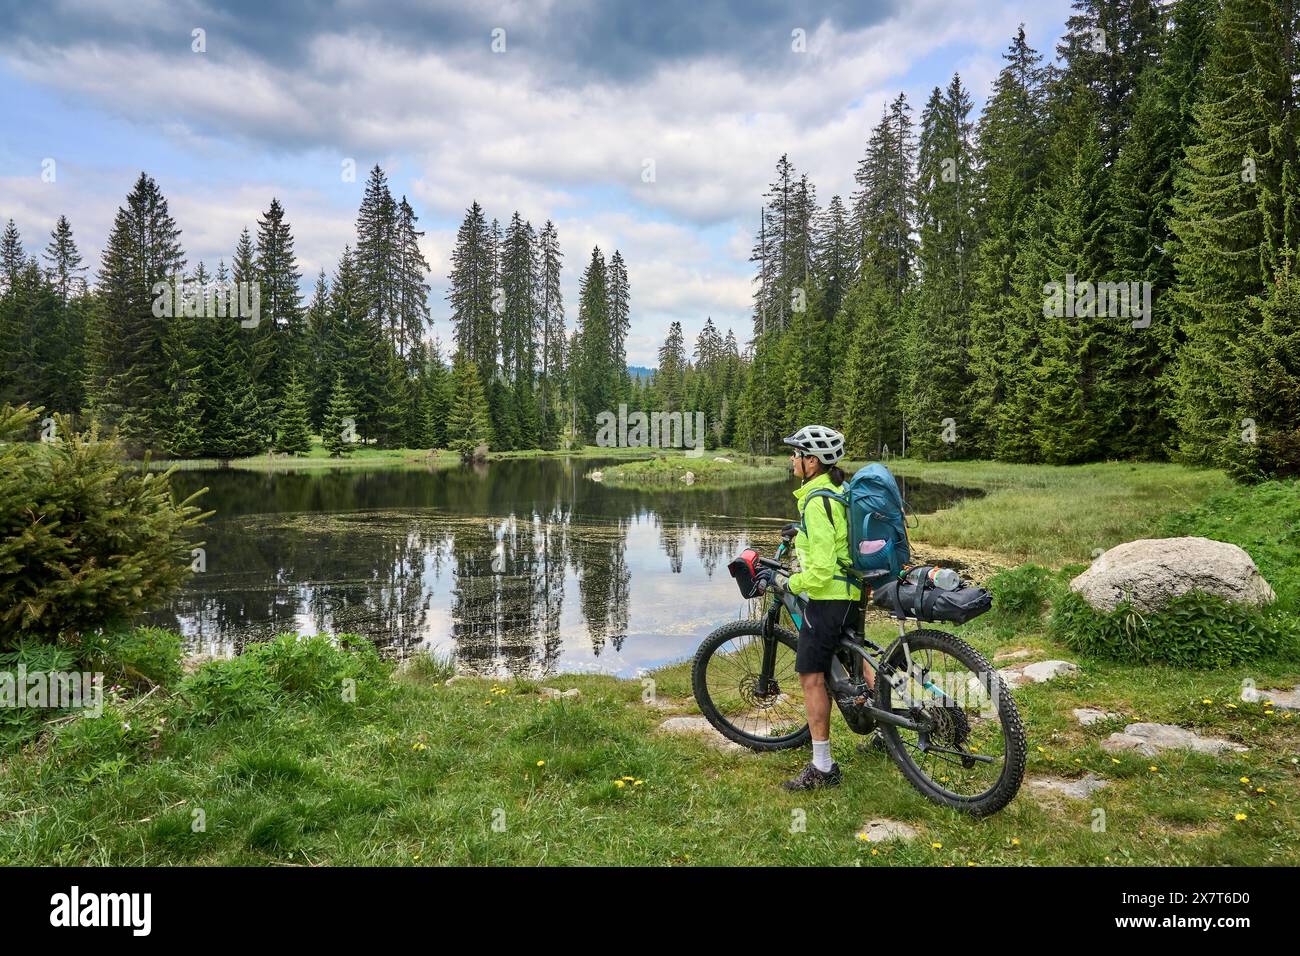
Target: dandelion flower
(1240, 816)
(936, 846)
(620, 784)
(541, 763)
(1015, 841)
(1245, 780)
(1207, 701)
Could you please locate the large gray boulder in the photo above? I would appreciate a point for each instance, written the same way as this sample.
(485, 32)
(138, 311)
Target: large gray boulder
(1151, 571)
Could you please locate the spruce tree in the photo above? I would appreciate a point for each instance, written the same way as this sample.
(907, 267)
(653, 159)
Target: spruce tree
(293, 427)
(126, 353)
(1269, 359)
(935, 376)
(1142, 192)
(550, 313)
(413, 289)
(1011, 154)
(1229, 218)
(340, 417)
(471, 284)
(278, 340)
(469, 426)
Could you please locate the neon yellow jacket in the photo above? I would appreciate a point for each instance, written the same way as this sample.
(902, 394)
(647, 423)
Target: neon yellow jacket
(824, 548)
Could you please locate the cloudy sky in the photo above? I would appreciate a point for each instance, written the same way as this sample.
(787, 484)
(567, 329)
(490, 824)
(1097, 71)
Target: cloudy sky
(559, 124)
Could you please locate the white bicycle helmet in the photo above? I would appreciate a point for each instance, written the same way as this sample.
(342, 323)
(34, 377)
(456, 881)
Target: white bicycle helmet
(824, 444)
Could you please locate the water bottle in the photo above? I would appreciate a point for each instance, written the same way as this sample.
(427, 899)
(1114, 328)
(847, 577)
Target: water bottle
(945, 579)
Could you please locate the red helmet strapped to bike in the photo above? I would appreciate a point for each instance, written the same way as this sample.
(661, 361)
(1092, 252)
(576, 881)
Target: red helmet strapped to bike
(824, 444)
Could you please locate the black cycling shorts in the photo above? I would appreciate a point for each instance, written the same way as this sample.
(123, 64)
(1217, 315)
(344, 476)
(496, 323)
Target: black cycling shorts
(823, 622)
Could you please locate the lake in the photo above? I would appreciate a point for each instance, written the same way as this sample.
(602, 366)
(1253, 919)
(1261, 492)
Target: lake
(518, 567)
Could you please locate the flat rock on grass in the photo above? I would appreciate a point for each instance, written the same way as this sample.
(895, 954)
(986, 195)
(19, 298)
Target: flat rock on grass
(1080, 789)
(1087, 716)
(554, 693)
(699, 726)
(1150, 739)
(659, 702)
(882, 831)
(1012, 655)
(1281, 699)
(1037, 673)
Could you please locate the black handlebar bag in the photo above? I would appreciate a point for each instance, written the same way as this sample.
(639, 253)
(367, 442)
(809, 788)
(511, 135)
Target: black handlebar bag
(745, 569)
(905, 599)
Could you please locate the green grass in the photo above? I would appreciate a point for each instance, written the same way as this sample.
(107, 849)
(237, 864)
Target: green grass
(367, 457)
(1263, 519)
(319, 457)
(418, 773)
(1057, 515)
(666, 471)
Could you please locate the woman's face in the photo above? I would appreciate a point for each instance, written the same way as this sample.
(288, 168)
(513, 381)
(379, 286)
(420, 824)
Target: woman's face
(805, 466)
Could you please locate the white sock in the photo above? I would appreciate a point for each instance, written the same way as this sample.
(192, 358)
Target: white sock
(822, 755)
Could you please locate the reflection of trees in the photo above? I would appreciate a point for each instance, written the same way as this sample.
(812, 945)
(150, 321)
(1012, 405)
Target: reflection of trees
(599, 555)
(405, 556)
(716, 545)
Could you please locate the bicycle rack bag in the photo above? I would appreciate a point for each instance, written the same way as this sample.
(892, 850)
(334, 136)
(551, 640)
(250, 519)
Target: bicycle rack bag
(905, 599)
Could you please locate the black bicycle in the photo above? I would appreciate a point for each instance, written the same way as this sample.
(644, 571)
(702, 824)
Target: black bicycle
(947, 720)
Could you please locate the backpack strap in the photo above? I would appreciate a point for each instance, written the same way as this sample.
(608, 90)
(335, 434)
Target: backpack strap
(825, 494)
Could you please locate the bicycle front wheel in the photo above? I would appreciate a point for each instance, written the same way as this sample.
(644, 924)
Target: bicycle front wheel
(762, 711)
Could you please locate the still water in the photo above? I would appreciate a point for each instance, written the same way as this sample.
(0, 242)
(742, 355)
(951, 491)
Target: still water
(522, 567)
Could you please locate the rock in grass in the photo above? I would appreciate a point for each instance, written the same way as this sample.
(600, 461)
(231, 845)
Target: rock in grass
(1150, 739)
(1151, 571)
(1080, 789)
(1281, 699)
(663, 703)
(554, 693)
(700, 726)
(1037, 673)
(882, 831)
(1087, 716)
(1012, 655)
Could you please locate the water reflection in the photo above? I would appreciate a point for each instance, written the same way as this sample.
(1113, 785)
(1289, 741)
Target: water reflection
(517, 567)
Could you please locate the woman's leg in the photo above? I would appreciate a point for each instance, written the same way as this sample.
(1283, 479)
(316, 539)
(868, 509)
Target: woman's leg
(817, 703)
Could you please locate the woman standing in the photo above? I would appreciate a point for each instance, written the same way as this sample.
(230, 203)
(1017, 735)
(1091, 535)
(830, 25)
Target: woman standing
(822, 545)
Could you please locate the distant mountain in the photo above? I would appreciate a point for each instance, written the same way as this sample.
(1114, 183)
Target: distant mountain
(639, 371)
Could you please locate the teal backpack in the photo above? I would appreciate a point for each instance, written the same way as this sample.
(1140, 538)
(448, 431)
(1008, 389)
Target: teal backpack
(878, 543)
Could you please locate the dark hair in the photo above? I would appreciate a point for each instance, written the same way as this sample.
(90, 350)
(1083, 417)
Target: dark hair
(837, 475)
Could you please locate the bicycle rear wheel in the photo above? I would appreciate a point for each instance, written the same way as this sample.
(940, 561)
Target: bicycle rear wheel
(726, 677)
(972, 754)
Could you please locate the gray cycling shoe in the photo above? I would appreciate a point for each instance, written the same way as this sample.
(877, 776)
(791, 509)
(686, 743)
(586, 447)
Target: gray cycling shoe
(875, 744)
(810, 778)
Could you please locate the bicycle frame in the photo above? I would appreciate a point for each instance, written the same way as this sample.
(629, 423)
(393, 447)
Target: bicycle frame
(864, 652)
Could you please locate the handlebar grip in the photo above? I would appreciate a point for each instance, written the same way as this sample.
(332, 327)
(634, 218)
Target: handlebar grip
(774, 565)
